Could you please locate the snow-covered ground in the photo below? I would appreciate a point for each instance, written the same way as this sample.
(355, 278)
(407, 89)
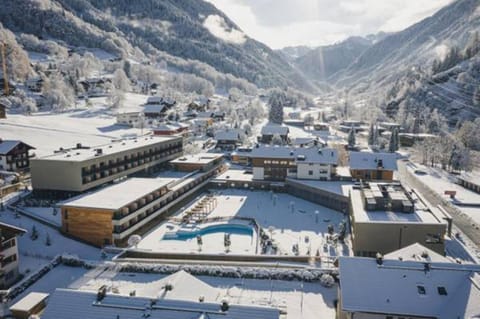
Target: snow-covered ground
(440, 181)
(274, 212)
(48, 131)
(35, 253)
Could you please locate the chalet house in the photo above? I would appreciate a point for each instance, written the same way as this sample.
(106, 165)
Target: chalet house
(308, 142)
(9, 254)
(241, 156)
(228, 140)
(14, 155)
(372, 166)
(346, 126)
(270, 130)
(199, 105)
(157, 107)
(95, 87)
(414, 288)
(276, 163)
(165, 129)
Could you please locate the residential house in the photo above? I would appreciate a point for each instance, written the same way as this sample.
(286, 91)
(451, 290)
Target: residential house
(95, 87)
(228, 140)
(372, 166)
(308, 142)
(346, 126)
(270, 130)
(392, 288)
(35, 84)
(157, 107)
(174, 128)
(241, 156)
(276, 163)
(14, 155)
(132, 119)
(386, 216)
(9, 258)
(199, 105)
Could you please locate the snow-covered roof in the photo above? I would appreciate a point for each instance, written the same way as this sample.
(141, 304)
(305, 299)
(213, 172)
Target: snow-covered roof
(154, 100)
(227, 135)
(119, 195)
(273, 129)
(154, 108)
(200, 158)
(8, 230)
(187, 287)
(7, 145)
(308, 140)
(82, 154)
(370, 160)
(416, 252)
(75, 304)
(409, 288)
(471, 177)
(303, 155)
(28, 302)
(165, 127)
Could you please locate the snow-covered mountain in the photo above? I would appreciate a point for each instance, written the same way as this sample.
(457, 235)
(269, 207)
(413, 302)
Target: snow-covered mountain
(175, 31)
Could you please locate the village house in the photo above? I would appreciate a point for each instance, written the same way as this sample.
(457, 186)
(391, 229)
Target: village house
(270, 130)
(372, 166)
(14, 155)
(199, 105)
(241, 156)
(228, 140)
(391, 287)
(174, 128)
(131, 119)
(276, 163)
(347, 125)
(308, 142)
(9, 258)
(385, 217)
(95, 87)
(157, 107)
(35, 84)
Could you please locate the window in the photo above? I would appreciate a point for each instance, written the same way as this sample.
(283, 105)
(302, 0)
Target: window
(421, 290)
(310, 173)
(442, 291)
(9, 260)
(65, 213)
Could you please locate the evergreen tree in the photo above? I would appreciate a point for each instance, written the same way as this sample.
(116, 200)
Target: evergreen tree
(351, 137)
(34, 233)
(276, 101)
(393, 144)
(48, 241)
(371, 135)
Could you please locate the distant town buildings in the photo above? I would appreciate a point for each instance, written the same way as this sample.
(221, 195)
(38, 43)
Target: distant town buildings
(83, 168)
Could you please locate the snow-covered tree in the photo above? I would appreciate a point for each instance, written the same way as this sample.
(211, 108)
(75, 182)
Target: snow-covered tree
(276, 102)
(277, 140)
(120, 80)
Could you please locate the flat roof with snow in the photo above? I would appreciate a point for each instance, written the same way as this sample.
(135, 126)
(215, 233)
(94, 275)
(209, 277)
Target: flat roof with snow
(82, 154)
(75, 304)
(29, 302)
(409, 288)
(201, 158)
(423, 212)
(273, 129)
(119, 195)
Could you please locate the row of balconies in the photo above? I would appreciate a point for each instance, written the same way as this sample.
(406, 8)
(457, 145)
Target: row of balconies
(128, 159)
(168, 199)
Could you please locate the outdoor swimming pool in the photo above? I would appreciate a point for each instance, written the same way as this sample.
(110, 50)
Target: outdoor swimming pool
(186, 234)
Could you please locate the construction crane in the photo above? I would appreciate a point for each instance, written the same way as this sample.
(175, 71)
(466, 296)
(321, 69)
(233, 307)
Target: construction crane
(6, 89)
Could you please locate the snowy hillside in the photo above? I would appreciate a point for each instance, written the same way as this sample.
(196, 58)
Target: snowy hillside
(190, 36)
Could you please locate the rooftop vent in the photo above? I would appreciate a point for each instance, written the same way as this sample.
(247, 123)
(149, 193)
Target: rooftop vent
(421, 290)
(102, 293)
(379, 259)
(442, 291)
(225, 306)
(300, 157)
(79, 145)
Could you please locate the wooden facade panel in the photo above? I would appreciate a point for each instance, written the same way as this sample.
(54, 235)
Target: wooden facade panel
(372, 174)
(91, 225)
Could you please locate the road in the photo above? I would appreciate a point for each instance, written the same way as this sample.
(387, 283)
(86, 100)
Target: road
(461, 221)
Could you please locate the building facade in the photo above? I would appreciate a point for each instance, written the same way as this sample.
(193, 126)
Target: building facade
(9, 260)
(372, 166)
(82, 168)
(14, 155)
(385, 217)
(279, 162)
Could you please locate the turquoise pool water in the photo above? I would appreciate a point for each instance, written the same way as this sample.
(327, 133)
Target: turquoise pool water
(234, 229)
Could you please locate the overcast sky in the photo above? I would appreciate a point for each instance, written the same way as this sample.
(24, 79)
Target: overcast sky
(280, 23)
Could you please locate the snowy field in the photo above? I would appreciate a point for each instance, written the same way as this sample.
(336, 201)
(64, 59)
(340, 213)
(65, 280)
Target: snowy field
(36, 253)
(440, 181)
(289, 219)
(47, 131)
